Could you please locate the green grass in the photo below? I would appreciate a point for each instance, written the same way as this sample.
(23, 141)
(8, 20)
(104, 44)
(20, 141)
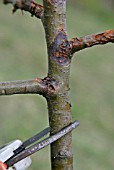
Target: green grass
(23, 56)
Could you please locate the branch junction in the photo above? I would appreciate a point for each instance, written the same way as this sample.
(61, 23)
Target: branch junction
(43, 87)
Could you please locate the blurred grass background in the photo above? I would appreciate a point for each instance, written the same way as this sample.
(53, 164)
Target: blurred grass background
(23, 56)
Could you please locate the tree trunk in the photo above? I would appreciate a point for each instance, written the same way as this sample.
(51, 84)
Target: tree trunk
(55, 87)
(58, 71)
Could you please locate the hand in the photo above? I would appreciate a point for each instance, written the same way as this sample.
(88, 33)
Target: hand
(2, 166)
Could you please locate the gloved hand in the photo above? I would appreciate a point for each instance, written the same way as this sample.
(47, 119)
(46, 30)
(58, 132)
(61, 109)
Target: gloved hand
(2, 166)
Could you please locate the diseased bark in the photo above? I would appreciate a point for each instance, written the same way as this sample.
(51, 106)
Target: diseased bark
(91, 40)
(55, 87)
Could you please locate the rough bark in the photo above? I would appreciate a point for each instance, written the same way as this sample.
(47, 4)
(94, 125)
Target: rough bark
(91, 40)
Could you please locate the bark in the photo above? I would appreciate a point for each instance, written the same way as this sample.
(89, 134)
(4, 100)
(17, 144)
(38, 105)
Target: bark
(55, 87)
(91, 40)
(26, 5)
(43, 87)
(23, 87)
(54, 21)
(59, 106)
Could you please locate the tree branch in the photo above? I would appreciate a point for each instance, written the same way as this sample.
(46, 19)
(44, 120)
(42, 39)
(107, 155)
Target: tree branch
(77, 44)
(37, 86)
(27, 5)
(38, 146)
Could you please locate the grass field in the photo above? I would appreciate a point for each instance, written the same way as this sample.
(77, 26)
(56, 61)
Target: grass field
(23, 56)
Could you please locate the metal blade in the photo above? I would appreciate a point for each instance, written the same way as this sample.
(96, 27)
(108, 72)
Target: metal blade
(32, 140)
(38, 146)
